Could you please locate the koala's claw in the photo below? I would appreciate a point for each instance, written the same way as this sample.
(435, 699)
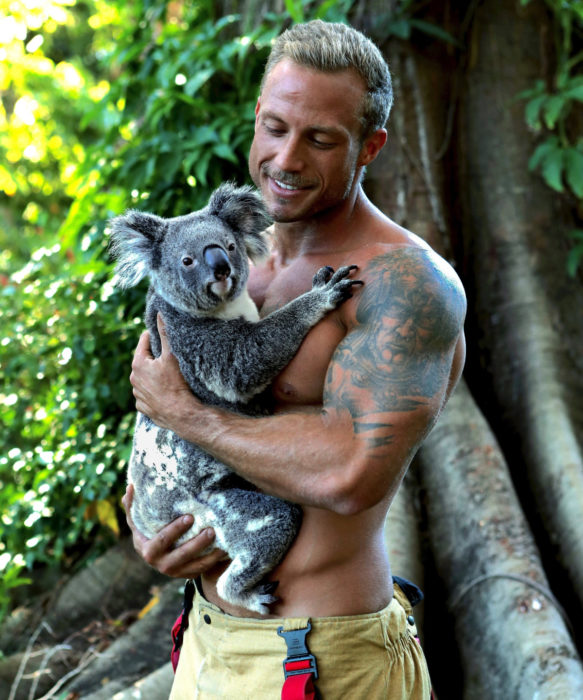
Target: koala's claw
(322, 276)
(259, 602)
(336, 284)
(267, 588)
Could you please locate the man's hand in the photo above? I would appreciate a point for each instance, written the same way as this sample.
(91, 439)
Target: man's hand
(158, 385)
(185, 561)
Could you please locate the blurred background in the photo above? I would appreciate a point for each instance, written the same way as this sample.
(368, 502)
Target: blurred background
(148, 104)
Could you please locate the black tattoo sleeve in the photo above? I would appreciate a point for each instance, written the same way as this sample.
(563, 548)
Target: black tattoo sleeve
(398, 358)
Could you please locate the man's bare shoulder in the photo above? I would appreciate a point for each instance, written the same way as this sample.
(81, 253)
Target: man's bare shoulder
(409, 282)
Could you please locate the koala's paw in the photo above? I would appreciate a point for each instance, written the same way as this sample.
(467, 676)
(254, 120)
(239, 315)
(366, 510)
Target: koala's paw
(256, 599)
(261, 596)
(337, 285)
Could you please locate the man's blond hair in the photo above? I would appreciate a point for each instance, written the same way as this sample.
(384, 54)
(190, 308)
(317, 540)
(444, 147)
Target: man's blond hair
(331, 47)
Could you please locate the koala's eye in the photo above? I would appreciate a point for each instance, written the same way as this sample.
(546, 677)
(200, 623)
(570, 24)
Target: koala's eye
(187, 261)
(231, 247)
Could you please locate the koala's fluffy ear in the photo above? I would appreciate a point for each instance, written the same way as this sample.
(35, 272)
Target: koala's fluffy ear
(242, 209)
(135, 244)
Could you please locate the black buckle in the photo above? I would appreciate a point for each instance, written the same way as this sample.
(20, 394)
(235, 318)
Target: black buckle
(297, 650)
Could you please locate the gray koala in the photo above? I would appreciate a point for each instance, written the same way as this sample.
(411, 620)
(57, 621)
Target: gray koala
(198, 268)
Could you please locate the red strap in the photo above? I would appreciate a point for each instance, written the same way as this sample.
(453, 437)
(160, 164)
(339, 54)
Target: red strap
(175, 653)
(297, 665)
(299, 687)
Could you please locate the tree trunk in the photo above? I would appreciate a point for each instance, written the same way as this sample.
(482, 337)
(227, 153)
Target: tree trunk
(112, 585)
(67, 638)
(527, 312)
(141, 651)
(404, 541)
(510, 632)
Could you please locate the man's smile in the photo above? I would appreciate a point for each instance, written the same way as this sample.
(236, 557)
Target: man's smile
(284, 185)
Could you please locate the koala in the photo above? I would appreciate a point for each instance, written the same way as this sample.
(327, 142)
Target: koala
(198, 266)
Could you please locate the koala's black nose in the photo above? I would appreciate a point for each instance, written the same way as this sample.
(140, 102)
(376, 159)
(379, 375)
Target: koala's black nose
(216, 258)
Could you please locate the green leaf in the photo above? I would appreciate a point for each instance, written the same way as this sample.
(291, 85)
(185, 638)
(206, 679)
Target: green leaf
(574, 259)
(542, 151)
(552, 109)
(532, 111)
(295, 10)
(536, 91)
(575, 93)
(333, 10)
(400, 28)
(201, 168)
(574, 170)
(197, 81)
(223, 150)
(434, 30)
(552, 170)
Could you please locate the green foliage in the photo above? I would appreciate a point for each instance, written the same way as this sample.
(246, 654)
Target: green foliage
(105, 105)
(56, 398)
(576, 252)
(559, 156)
(401, 22)
(330, 10)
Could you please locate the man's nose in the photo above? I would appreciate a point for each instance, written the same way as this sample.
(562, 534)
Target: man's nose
(290, 155)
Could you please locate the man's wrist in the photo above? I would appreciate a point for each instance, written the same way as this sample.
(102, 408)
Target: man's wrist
(198, 423)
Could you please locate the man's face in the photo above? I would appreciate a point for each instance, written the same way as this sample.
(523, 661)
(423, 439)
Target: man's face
(305, 154)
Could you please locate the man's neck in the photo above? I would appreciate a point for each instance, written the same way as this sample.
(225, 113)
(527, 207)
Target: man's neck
(336, 230)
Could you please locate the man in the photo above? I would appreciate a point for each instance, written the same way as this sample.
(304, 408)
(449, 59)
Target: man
(353, 406)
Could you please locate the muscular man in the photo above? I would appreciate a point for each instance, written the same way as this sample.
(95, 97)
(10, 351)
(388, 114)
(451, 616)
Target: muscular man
(353, 406)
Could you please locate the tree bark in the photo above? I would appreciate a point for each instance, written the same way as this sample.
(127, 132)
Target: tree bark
(141, 651)
(403, 540)
(510, 629)
(115, 583)
(526, 321)
(154, 686)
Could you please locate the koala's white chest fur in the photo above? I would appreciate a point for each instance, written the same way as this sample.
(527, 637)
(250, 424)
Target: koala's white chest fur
(242, 306)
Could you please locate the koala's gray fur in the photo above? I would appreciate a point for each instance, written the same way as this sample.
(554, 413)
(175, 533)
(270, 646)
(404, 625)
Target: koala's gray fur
(198, 269)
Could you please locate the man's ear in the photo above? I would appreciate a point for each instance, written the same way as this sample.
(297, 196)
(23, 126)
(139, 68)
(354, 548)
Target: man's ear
(257, 108)
(372, 146)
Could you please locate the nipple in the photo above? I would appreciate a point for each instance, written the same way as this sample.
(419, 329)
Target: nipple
(288, 389)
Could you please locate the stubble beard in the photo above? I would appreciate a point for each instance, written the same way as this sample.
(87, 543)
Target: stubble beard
(317, 209)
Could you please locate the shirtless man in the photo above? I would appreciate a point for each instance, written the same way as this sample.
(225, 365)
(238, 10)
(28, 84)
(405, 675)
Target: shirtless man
(353, 407)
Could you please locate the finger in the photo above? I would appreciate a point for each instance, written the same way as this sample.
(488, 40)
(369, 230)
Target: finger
(184, 564)
(143, 347)
(128, 499)
(163, 336)
(139, 540)
(164, 540)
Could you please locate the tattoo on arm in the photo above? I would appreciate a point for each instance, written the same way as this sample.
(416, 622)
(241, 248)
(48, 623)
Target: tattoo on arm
(399, 355)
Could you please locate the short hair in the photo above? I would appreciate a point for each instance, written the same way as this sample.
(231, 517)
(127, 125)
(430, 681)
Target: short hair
(331, 47)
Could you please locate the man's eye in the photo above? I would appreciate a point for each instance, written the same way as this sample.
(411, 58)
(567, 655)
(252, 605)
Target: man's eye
(273, 130)
(322, 144)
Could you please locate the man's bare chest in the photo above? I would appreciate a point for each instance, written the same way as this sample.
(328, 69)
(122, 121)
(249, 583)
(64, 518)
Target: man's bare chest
(301, 383)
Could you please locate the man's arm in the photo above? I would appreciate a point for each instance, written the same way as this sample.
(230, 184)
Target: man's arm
(387, 382)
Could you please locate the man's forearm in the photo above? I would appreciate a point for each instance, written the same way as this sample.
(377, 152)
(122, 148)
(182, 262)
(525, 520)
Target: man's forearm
(302, 457)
